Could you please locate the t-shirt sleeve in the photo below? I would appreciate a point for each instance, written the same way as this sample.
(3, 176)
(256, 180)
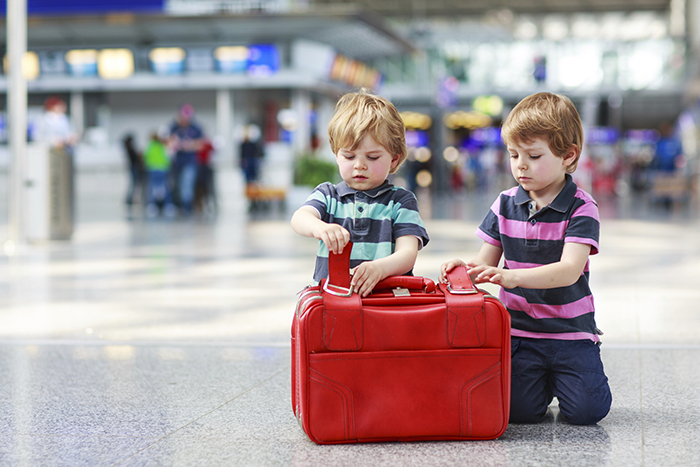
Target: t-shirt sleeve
(319, 199)
(584, 226)
(408, 220)
(489, 229)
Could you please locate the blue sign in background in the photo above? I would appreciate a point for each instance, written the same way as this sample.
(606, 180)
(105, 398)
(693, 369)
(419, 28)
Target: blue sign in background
(73, 7)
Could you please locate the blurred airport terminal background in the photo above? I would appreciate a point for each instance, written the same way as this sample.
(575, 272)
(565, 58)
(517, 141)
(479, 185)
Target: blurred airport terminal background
(273, 70)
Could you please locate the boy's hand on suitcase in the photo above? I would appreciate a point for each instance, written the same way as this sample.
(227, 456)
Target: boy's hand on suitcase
(365, 277)
(449, 266)
(334, 236)
(498, 276)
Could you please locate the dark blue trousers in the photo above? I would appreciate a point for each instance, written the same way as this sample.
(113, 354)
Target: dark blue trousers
(571, 371)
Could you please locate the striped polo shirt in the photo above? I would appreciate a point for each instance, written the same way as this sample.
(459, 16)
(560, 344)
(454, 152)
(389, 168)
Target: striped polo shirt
(532, 238)
(374, 218)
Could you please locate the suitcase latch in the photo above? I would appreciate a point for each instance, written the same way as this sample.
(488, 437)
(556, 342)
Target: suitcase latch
(401, 292)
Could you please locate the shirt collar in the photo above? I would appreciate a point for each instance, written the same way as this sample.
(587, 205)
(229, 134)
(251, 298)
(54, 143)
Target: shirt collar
(344, 190)
(561, 203)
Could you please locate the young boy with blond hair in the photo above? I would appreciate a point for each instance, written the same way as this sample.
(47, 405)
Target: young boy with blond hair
(545, 228)
(367, 136)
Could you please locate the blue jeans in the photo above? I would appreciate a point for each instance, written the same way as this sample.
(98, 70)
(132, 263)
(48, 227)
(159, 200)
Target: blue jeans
(188, 176)
(571, 371)
(158, 191)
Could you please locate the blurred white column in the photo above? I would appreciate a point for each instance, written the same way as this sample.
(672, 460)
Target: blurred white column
(326, 109)
(301, 105)
(17, 117)
(224, 125)
(77, 113)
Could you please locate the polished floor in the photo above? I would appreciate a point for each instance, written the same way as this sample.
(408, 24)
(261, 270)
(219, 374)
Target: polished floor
(154, 342)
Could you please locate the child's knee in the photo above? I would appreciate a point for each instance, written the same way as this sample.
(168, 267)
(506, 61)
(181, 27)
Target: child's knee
(587, 410)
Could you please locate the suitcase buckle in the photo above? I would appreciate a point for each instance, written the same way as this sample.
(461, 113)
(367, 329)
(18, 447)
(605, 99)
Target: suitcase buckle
(462, 291)
(337, 290)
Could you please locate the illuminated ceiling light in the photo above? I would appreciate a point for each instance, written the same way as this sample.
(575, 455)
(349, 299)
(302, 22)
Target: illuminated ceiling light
(287, 118)
(584, 27)
(490, 105)
(415, 120)
(82, 62)
(555, 29)
(423, 154)
(424, 178)
(30, 66)
(167, 54)
(115, 63)
(658, 29)
(609, 28)
(451, 154)
(525, 30)
(81, 57)
(226, 53)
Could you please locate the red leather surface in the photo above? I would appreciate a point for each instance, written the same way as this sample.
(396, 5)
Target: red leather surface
(431, 366)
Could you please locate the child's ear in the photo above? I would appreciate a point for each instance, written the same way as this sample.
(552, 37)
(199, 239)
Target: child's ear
(395, 160)
(570, 155)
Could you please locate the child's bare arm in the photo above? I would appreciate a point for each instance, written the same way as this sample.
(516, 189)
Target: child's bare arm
(307, 222)
(366, 275)
(563, 273)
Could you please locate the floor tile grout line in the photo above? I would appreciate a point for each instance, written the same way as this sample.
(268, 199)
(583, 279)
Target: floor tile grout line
(271, 343)
(149, 343)
(286, 369)
(641, 405)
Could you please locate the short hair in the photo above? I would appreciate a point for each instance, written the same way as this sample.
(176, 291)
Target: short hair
(358, 114)
(52, 102)
(550, 116)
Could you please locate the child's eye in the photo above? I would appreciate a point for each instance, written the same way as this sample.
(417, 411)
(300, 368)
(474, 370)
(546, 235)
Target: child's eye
(535, 157)
(373, 158)
(513, 156)
(349, 156)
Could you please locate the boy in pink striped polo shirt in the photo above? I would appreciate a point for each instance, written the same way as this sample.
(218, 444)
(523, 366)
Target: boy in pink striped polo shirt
(545, 228)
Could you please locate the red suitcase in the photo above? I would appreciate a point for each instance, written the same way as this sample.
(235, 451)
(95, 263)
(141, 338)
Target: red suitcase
(410, 362)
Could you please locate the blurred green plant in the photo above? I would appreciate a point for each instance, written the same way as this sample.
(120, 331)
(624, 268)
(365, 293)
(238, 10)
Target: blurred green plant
(310, 170)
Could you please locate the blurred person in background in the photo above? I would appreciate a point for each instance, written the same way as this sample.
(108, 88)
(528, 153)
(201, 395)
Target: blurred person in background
(250, 158)
(157, 162)
(137, 172)
(186, 139)
(54, 126)
(204, 193)
(668, 150)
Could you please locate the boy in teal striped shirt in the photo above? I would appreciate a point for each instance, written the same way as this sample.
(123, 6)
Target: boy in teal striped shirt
(367, 136)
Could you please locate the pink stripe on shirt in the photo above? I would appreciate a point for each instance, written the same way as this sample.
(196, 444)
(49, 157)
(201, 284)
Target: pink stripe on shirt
(540, 230)
(539, 311)
(566, 336)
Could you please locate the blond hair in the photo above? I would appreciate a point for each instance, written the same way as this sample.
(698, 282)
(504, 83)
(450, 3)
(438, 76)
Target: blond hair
(550, 116)
(359, 114)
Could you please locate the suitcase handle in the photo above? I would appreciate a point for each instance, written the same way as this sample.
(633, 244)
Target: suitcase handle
(422, 284)
(459, 282)
(338, 282)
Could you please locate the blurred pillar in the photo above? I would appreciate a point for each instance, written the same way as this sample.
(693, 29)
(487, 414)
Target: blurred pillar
(589, 111)
(17, 116)
(325, 113)
(301, 105)
(77, 112)
(439, 167)
(224, 124)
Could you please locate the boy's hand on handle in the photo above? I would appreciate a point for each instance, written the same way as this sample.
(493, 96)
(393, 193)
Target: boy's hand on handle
(334, 236)
(449, 266)
(484, 273)
(366, 276)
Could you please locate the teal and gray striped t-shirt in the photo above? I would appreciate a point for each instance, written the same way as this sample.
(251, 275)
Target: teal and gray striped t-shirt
(374, 218)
